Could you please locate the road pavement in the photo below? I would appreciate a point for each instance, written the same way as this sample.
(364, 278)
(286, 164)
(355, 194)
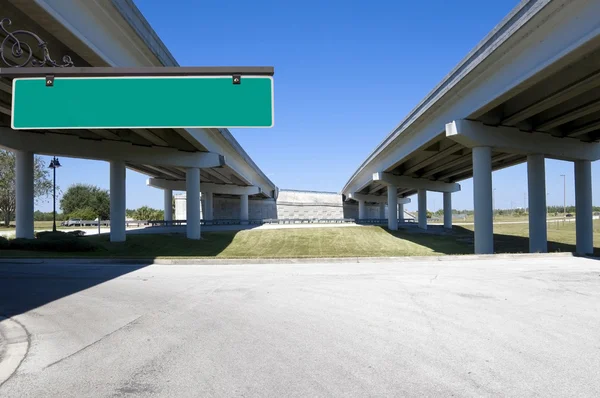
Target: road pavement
(508, 326)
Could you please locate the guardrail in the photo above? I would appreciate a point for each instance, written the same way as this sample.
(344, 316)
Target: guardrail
(84, 223)
(373, 221)
(308, 220)
(384, 221)
(255, 221)
(102, 223)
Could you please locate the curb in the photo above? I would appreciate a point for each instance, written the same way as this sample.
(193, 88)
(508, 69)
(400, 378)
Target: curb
(247, 261)
(15, 349)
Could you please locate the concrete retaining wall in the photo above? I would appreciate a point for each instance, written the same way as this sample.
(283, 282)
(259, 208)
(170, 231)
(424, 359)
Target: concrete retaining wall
(290, 205)
(307, 204)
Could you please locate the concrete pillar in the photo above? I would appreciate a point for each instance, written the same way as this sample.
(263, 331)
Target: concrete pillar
(362, 210)
(392, 203)
(192, 202)
(24, 194)
(448, 210)
(168, 205)
(244, 209)
(382, 211)
(117, 201)
(422, 194)
(583, 207)
(482, 200)
(536, 182)
(400, 211)
(208, 206)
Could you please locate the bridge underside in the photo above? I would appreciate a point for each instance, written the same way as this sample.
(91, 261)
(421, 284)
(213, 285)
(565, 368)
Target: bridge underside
(564, 104)
(115, 34)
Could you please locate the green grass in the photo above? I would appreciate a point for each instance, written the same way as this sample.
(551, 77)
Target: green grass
(282, 243)
(514, 238)
(371, 241)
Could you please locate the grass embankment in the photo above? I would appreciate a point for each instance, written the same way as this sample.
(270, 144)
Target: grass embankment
(283, 243)
(371, 241)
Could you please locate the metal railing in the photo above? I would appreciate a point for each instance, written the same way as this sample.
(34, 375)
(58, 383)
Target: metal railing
(255, 221)
(377, 221)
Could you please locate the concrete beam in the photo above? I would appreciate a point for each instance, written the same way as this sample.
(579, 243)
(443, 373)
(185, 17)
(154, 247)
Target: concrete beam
(510, 139)
(376, 198)
(72, 146)
(416, 183)
(205, 187)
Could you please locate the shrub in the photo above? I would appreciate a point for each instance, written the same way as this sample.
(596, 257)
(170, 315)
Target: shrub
(59, 234)
(3, 243)
(50, 235)
(52, 242)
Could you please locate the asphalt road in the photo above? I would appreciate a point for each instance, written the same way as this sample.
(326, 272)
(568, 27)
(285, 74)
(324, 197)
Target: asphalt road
(499, 327)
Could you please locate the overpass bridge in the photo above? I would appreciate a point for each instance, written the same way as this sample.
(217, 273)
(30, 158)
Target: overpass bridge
(114, 33)
(528, 91)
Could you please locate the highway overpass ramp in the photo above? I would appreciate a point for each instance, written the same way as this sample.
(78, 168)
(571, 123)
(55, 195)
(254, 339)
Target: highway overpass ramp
(114, 33)
(528, 91)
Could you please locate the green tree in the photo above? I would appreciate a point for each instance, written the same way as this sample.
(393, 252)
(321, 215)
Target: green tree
(86, 213)
(42, 184)
(46, 216)
(87, 198)
(147, 213)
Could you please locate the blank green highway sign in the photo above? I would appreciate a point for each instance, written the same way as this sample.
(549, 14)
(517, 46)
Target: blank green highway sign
(142, 102)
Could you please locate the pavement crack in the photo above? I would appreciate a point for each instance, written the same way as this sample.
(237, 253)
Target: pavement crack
(91, 344)
(28, 335)
(434, 278)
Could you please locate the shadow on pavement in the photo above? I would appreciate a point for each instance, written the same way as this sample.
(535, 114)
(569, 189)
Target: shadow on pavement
(461, 241)
(24, 287)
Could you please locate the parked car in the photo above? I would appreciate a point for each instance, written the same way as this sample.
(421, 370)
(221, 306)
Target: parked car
(569, 215)
(73, 222)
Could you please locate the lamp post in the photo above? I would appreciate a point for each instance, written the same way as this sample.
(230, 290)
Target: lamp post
(564, 194)
(54, 164)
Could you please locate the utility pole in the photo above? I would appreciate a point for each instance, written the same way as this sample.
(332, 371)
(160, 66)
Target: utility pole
(564, 194)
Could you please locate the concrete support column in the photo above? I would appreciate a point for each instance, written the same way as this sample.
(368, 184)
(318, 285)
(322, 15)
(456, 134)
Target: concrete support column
(583, 207)
(536, 182)
(422, 194)
(117, 201)
(400, 211)
(382, 211)
(392, 203)
(482, 200)
(24, 194)
(448, 210)
(244, 209)
(168, 205)
(362, 210)
(192, 202)
(208, 206)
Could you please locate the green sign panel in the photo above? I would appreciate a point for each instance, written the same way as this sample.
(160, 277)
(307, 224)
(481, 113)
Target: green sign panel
(142, 102)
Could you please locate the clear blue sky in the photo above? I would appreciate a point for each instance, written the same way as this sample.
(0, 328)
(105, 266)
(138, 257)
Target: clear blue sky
(346, 73)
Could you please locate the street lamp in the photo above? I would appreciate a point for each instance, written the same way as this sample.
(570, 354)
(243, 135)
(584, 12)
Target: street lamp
(564, 194)
(54, 164)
